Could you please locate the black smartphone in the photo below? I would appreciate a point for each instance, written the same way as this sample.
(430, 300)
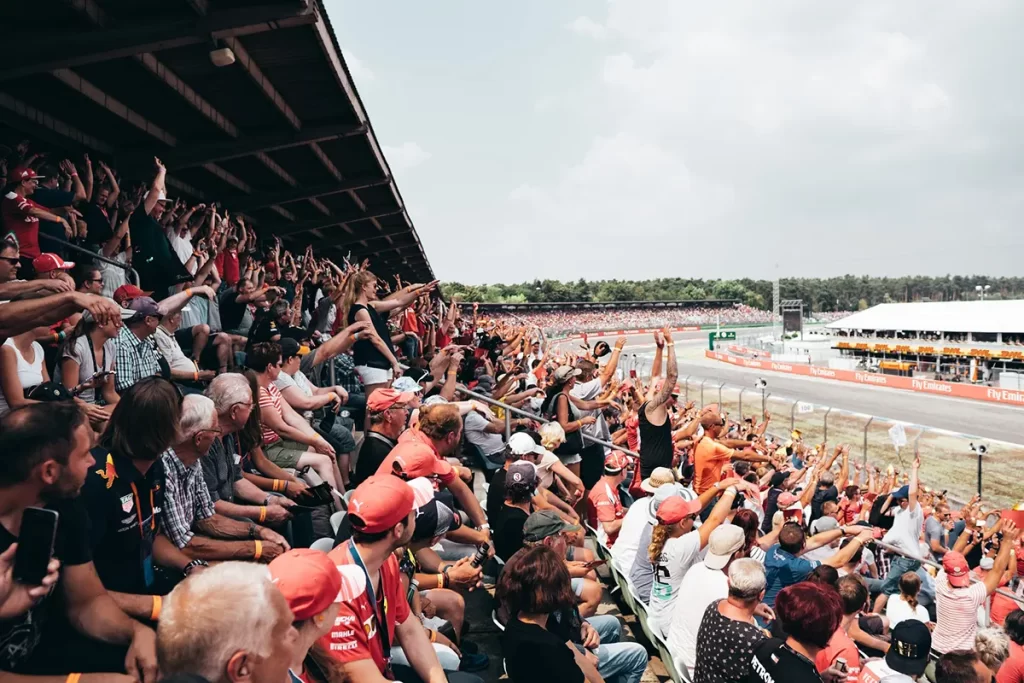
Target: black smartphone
(35, 545)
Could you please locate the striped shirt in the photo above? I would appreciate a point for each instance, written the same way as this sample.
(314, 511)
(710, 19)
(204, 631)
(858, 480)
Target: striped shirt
(956, 611)
(270, 399)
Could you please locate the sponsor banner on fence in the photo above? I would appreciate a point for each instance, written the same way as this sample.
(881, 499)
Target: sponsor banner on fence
(925, 386)
(619, 333)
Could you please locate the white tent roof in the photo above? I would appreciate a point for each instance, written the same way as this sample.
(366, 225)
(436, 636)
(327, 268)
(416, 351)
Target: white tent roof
(939, 316)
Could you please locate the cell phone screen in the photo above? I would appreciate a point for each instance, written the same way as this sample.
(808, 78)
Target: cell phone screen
(35, 545)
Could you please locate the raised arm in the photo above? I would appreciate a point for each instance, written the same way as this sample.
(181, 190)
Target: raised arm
(156, 187)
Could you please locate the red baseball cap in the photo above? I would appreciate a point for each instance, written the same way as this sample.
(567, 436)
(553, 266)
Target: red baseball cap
(23, 173)
(615, 461)
(44, 263)
(126, 292)
(382, 399)
(308, 580)
(957, 571)
(379, 503)
(415, 459)
(675, 510)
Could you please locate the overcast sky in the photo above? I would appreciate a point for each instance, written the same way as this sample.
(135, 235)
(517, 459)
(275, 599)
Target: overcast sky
(658, 138)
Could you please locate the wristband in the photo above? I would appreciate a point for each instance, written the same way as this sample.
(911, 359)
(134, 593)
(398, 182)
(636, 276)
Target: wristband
(157, 604)
(285, 490)
(73, 678)
(276, 485)
(188, 290)
(259, 550)
(430, 634)
(263, 517)
(195, 375)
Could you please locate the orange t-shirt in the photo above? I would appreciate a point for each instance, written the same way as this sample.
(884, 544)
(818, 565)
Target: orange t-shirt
(840, 645)
(707, 463)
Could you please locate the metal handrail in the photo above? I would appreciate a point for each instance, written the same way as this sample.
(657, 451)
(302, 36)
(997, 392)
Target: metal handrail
(509, 410)
(93, 255)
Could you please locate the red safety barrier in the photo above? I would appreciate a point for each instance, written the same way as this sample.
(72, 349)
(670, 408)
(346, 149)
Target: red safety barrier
(923, 386)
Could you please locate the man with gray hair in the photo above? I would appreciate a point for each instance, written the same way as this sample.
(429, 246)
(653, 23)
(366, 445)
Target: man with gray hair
(190, 520)
(728, 635)
(228, 624)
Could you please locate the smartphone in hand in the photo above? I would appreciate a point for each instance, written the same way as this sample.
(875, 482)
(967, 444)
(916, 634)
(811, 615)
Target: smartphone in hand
(35, 545)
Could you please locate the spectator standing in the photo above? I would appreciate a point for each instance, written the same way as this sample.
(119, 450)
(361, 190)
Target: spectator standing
(936, 531)
(159, 268)
(559, 406)
(21, 215)
(655, 427)
(957, 599)
(136, 355)
(96, 213)
(809, 614)
(46, 460)
(229, 623)
(589, 387)
(728, 633)
(907, 658)
(59, 189)
(388, 411)
(905, 535)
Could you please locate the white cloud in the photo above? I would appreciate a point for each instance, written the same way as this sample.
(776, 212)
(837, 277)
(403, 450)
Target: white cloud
(404, 157)
(360, 72)
(586, 26)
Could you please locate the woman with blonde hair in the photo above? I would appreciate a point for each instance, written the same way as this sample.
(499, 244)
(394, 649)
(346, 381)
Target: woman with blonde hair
(905, 606)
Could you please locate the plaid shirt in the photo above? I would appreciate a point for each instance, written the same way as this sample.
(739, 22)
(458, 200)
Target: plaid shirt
(345, 374)
(136, 359)
(186, 498)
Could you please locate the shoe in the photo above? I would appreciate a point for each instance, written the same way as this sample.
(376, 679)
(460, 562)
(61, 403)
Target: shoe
(475, 662)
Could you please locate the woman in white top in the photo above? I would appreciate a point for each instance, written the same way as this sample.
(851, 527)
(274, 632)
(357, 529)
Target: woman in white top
(21, 367)
(88, 350)
(904, 606)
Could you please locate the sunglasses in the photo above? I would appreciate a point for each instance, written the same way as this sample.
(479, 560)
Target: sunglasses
(11, 260)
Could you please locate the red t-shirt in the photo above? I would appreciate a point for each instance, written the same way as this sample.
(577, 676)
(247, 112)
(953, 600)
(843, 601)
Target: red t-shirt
(410, 441)
(604, 505)
(851, 511)
(354, 636)
(633, 434)
(15, 212)
(227, 266)
(840, 645)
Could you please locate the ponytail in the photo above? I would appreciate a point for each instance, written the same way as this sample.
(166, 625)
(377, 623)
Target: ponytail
(910, 584)
(350, 292)
(659, 535)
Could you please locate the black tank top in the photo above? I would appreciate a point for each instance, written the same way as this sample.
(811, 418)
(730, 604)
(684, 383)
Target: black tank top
(363, 351)
(655, 444)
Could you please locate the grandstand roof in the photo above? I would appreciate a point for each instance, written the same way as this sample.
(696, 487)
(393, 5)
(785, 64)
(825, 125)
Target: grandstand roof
(281, 135)
(939, 316)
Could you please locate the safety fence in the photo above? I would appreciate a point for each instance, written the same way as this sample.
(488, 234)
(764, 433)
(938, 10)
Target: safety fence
(129, 271)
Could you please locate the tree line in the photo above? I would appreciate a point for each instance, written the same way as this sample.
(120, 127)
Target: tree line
(846, 293)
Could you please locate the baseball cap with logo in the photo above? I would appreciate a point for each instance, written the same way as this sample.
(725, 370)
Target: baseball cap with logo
(957, 571)
(382, 399)
(545, 523)
(521, 473)
(522, 443)
(127, 292)
(379, 503)
(724, 541)
(23, 173)
(308, 580)
(44, 263)
(675, 510)
(909, 643)
(615, 462)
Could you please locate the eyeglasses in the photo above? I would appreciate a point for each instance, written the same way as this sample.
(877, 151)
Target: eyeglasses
(11, 260)
(218, 432)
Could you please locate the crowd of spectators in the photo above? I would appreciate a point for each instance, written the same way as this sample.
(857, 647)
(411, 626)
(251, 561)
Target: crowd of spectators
(647, 317)
(222, 510)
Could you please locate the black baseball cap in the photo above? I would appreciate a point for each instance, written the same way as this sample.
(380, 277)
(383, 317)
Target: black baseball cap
(909, 644)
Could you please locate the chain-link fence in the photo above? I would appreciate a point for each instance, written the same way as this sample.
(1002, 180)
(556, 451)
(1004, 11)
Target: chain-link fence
(949, 460)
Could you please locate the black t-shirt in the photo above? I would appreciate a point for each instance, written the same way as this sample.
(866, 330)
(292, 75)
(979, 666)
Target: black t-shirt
(820, 496)
(266, 330)
(55, 199)
(771, 505)
(656, 448)
(776, 662)
(119, 502)
(876, 518)
(508, 533)
(20, 636)
(496, 495)
(231, 312)
(158, 266)
(98, 230)
(535, 654)
(363, 351)
(374, 450)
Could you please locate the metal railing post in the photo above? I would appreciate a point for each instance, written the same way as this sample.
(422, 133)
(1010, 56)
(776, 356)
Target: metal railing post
(792, 416)
(720, 394)
(508, 425)
(871, 418)
(703, 382)
(825, 436)
(741, 403)
(331, 371)
(686, 389)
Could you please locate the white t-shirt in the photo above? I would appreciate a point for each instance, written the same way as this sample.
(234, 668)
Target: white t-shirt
(700, 587)
(182, 246)
(898, 610)
(475, 426)
(30, 373)
(545, 476)
(877, 671)
(82, 354)
(624, 551)
(113, 277)
(905, 533)
(299, 381)
(677, 557)
(171, 352)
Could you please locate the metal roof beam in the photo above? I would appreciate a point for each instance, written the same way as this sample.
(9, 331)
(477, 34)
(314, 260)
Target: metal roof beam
(22, 56)
(348, 240)
(286, 229)
(189, 156)
(263, 200)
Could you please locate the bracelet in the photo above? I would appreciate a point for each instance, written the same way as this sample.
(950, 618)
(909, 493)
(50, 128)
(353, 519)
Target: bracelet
(277, 485)
(285, 490)
(263, 517)
(157, 604)
(188, 290)
(73, 678)
(259, 550)
(430, 634)
(195, 375)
